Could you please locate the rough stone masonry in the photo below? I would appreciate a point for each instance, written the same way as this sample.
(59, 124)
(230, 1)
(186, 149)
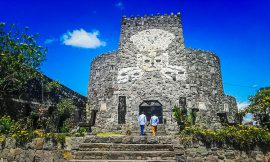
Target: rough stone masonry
(152, 71)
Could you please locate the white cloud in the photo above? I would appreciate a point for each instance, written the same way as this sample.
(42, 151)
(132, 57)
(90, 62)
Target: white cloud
(50, 40)
(120, 5)
(242, 105)
(83, 39)
(254, 86)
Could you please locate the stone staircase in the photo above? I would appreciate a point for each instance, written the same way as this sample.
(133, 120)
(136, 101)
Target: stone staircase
(125, 149)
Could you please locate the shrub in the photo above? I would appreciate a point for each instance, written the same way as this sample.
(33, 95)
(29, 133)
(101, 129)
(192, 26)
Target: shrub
(6, 124)
(60, 138)
(65, 107)
(64, 129)
(22, 136)
(39, 133)
(82, 131)
(240, 136)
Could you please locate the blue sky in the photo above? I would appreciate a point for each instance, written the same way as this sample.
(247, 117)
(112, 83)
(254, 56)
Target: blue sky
(77, 31)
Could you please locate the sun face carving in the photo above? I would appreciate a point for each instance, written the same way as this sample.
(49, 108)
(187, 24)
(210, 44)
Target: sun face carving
(152, 45)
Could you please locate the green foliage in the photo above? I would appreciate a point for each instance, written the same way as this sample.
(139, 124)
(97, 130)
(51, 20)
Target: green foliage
(60, 138)
(11, 129)
(20, 58)
(260, 107)
(52, 85)
(6, 124)
(179, 114)
(240, 136)
(65, 106)
(82, 131)
(22, 136)
(182, 116)
(65, 128)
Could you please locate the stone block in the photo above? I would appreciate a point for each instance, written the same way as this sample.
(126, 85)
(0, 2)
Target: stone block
(211, 158)
(42, 156)
(190, 159)
(73, 143)
(181, 158)
(136, 140)
(152, 140)
(116, 139)
(230, 154)
(127, 139)
(49, 145)
(202, 150)
(37, 143)
(30, 155)
(179, 150)
(10, 143)
(13, 153)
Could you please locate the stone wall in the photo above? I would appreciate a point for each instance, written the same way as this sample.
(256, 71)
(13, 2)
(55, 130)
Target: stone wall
(197, 151)
(39, 150)
(152, 64)
(33, 96)
(102, 87)
(185, 150)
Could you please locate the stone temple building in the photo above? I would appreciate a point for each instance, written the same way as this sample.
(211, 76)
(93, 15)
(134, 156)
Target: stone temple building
(152, 71)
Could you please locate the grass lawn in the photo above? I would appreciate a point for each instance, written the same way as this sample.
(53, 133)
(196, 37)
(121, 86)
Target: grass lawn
(106, 134)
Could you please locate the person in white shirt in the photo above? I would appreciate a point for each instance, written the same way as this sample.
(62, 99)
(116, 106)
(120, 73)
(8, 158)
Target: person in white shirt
(154, 123)
(142, 121)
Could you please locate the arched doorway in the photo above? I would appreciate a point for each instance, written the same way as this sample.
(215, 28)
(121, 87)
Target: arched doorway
(150, 107)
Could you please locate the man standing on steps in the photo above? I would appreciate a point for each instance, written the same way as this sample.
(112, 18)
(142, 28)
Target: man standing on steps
(142, 122)
(154, 123)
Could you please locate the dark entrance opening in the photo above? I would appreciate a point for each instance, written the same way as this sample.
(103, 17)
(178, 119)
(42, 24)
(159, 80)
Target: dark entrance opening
(93, 117)
(151, 107)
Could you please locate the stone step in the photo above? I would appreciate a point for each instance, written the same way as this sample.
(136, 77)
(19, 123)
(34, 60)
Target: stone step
(125, 155)
(124, 147)
(129, 139)
(121, 160)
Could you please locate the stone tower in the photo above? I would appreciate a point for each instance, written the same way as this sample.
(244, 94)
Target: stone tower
(152, 71)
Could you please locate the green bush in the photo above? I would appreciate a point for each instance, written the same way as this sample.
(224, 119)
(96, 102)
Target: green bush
(60, 138)
(64, 129)
(240, 136)
(82, 131)
(6, 123)
(11, 129)
(65, 106)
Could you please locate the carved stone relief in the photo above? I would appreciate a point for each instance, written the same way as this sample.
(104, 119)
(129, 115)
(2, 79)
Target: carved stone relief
(153, 56)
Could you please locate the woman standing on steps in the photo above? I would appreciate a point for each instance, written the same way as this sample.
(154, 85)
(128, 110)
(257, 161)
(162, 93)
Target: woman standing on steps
(154, 123)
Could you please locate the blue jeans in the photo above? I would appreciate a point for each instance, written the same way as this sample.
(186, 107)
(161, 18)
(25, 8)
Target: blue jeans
(142, 129)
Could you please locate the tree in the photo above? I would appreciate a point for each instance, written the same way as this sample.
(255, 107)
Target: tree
(20, 58)
(260, 107)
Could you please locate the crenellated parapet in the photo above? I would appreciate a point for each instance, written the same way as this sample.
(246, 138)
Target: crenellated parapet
(150, 23)
(157, 20)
